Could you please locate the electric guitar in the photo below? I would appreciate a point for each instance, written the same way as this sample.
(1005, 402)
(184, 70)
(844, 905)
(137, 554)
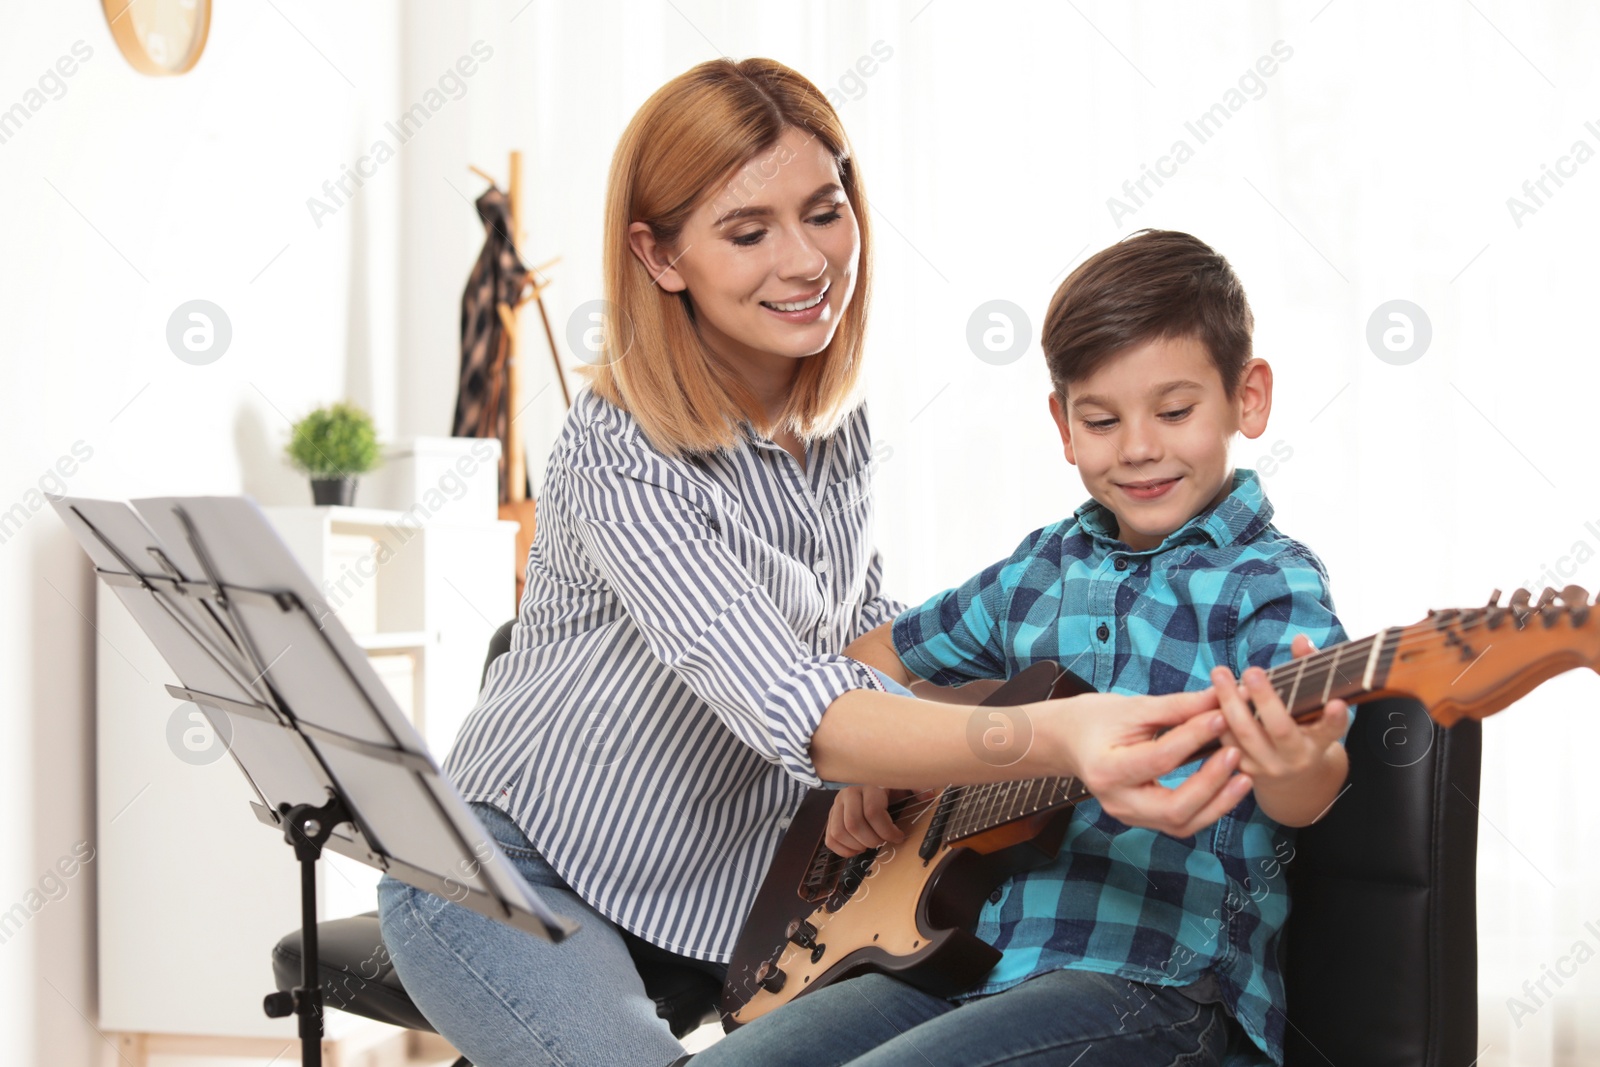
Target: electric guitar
(909, 909)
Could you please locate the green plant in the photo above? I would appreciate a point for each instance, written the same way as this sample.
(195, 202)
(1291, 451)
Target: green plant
(337, 441)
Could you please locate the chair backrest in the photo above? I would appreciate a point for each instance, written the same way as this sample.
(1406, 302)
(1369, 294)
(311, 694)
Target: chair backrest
(1382, 957)
(498, 644)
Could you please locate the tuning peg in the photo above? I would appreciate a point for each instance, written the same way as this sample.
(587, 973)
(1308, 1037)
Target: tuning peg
(1576, 597)
(1548, 608)
(1519, 606)
(1494, 614)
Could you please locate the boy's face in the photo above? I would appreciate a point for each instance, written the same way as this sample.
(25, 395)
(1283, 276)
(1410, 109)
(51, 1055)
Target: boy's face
(1149, 433)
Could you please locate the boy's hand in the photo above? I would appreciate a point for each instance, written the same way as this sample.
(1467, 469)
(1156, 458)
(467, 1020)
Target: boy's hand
(1297, 768)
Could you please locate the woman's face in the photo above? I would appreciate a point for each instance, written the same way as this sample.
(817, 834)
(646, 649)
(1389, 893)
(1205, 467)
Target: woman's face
(769, 261)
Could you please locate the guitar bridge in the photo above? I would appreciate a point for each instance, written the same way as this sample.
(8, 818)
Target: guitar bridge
(832, 878)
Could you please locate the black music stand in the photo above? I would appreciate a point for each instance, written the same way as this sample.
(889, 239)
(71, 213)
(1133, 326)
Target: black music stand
(333, 761)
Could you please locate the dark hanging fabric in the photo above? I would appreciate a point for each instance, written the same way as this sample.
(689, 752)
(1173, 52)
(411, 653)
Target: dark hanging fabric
(498, 277)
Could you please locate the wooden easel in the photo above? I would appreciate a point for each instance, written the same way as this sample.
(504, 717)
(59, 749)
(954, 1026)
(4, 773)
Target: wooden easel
(517, 507)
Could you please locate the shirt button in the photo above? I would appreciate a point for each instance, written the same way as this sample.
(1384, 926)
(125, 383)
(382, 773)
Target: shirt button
(1122, 563)
(820, 566)
(1104, 632)
(994, 898)
(783, 824)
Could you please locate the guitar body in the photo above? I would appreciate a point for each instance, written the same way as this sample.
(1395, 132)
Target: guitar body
(906, 916)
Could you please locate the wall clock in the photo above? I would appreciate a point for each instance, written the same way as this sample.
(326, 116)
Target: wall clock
(159, 36)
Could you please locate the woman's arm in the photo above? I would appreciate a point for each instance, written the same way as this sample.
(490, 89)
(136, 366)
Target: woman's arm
(1106, 741)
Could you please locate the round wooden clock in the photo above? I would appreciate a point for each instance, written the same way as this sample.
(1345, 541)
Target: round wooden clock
(159, 36)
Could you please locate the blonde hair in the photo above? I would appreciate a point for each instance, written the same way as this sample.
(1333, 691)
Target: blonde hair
(679, 148)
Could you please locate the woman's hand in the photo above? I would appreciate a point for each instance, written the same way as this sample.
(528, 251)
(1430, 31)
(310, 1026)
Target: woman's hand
(860, 819)
(1113, 742)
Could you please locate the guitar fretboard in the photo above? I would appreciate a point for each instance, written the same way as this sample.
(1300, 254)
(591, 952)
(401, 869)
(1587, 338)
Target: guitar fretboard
(1343, 672)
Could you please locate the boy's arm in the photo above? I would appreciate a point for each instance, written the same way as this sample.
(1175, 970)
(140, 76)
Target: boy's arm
(875, 648)
(954, 637)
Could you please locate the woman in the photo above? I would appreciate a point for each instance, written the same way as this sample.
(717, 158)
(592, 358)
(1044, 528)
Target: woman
(675, 683)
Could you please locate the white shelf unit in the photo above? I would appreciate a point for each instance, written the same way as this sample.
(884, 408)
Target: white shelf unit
(193, 891)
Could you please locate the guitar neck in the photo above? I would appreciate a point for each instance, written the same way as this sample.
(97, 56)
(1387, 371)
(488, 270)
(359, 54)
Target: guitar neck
(1348, 671)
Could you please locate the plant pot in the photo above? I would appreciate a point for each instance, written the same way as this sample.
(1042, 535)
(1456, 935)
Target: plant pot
(335, 491)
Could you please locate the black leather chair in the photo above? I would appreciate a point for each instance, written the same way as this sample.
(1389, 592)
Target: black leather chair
(1381, 967)
(1382, 942)
(357, 975)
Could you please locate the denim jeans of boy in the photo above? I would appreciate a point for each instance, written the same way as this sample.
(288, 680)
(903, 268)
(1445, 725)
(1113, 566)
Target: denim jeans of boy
(1059, 1019)
(505, 998)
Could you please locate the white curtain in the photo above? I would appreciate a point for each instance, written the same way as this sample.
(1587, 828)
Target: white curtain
(1356, 153)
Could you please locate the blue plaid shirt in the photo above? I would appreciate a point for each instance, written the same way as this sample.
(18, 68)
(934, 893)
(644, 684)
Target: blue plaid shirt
(1225, 589)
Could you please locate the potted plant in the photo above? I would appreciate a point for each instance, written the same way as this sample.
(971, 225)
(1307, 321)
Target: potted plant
(334, 445)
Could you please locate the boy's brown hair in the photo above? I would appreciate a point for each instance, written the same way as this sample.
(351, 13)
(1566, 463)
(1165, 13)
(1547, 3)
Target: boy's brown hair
(1154, 284)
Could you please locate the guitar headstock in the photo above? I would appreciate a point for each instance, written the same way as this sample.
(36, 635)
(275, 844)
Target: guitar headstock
(1471, 663)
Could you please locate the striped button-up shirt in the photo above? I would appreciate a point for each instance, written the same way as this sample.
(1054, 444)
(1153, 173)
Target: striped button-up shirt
(677, 644)
(1225, 589)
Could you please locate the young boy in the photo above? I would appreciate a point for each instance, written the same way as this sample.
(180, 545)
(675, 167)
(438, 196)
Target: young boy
(1131, 947)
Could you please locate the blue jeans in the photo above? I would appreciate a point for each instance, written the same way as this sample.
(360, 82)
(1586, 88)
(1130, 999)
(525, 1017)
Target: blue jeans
(1059, 1019)
(505, 998)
